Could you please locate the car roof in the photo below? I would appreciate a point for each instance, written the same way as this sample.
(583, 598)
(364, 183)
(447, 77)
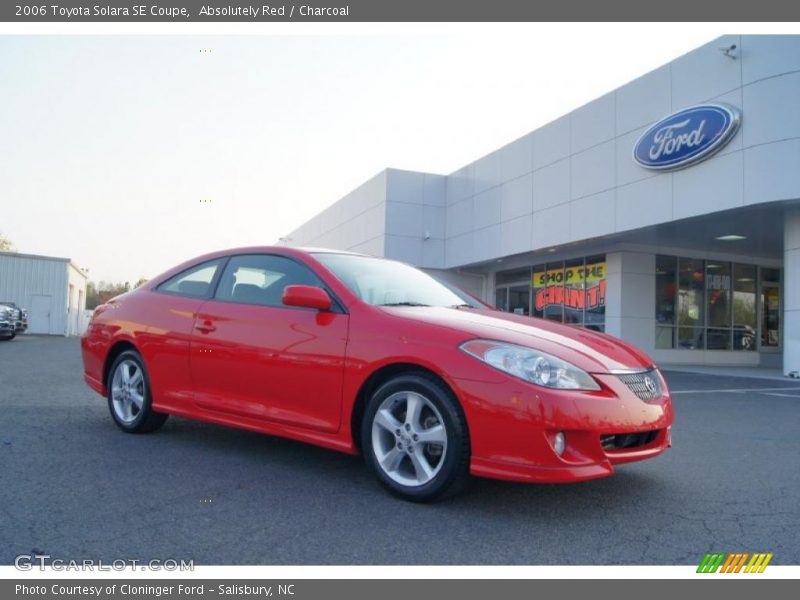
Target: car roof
(312, 250)
(279, 249)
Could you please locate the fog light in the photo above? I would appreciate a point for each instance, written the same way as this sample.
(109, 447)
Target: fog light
(559, 443)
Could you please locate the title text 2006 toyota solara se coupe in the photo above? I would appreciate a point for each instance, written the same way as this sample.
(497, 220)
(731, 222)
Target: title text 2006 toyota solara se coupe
(372, 356)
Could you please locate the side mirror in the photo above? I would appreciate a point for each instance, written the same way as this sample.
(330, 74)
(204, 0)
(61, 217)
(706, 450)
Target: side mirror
(307, 296)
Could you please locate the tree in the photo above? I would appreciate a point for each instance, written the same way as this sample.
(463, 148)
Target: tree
(102, 291)
(6, 245)
(141, 281)
(91, 296)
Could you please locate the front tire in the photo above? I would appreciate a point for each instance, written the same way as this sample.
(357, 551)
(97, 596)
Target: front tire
(129, 395)
(415, 439)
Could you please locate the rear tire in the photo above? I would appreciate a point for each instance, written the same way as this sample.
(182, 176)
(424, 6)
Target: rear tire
(129, 397)
(415, 438)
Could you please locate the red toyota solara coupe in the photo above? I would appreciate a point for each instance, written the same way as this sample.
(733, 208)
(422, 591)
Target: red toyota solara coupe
(367, 355)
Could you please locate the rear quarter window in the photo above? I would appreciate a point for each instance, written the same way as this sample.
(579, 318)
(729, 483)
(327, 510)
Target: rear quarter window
(194, 282)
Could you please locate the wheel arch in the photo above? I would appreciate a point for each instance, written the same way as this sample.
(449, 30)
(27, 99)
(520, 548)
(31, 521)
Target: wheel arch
(380, 376)
(116, 349)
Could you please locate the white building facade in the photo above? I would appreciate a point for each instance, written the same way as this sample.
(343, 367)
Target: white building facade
(690, 249)
(52, 289)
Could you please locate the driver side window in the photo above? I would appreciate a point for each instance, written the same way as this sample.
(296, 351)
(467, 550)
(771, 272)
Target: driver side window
(261, 278)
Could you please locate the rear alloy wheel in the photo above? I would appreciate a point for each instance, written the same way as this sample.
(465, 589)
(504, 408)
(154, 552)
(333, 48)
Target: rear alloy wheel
(415, 438)
(129, 397)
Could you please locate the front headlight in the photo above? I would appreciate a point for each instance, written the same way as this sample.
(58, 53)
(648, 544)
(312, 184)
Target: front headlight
(531, 365)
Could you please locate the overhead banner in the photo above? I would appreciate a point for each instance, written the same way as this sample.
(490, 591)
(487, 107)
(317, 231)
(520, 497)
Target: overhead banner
(579, 287)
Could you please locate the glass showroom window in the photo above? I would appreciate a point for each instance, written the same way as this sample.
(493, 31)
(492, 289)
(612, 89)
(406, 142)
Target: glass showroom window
(574, 292)
(595, 284)
(554, 292)
(571, 292)
(744, 307)
(770, 308)
(718, 303)
(691, 303)
(666, 293)
(706, 304)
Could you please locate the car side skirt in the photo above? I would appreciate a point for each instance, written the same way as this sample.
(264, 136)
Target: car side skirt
(326, 440)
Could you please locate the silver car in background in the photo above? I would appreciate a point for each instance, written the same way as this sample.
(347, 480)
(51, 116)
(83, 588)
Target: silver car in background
(13, 320)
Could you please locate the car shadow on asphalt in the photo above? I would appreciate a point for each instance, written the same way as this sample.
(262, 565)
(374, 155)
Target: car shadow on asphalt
(267, 454)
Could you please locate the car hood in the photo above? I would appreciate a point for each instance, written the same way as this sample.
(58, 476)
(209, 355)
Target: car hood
(592, 351)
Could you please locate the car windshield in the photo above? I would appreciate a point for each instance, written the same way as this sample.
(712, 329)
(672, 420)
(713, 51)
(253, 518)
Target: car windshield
(382, 282)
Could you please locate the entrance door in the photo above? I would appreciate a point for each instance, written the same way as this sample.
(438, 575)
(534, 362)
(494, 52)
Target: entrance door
(501, 299)
(39, 314)
(519, 299)
(514, 298)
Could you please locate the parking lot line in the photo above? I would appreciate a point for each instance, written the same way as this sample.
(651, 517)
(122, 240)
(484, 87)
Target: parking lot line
(742, 391)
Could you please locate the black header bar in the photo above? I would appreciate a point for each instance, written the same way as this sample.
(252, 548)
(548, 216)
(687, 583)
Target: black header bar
(185, 11)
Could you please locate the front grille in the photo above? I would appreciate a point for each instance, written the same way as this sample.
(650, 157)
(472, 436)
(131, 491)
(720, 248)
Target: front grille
(645, 384)
(622, 441)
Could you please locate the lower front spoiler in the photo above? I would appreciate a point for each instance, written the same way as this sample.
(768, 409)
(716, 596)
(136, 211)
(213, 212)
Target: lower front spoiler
(566, 473)
(508, 471)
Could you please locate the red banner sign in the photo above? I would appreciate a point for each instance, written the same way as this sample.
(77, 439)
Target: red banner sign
(572, 297)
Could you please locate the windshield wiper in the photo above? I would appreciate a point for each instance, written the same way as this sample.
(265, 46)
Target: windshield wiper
(403, 304)
(464, 305)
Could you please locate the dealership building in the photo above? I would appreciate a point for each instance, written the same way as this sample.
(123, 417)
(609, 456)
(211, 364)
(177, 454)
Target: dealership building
(666, 212)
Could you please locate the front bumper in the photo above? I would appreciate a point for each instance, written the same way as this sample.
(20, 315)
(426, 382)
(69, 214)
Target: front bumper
(7, 328)
(513, 424)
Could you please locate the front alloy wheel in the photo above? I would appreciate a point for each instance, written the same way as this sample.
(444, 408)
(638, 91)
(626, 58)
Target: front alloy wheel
(415, 438)
(409, 438)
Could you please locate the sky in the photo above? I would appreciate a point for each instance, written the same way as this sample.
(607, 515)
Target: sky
(132, 153)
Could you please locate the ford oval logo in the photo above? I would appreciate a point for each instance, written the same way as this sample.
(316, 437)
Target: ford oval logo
(687, 136)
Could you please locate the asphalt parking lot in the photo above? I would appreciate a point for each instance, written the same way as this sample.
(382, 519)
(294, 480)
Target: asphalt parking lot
(75, 487)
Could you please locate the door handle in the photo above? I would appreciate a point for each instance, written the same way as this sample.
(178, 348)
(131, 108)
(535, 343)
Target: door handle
(205, 327)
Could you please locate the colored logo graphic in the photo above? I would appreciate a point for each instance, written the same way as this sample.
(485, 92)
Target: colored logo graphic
(687, 137)
(735, 562)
